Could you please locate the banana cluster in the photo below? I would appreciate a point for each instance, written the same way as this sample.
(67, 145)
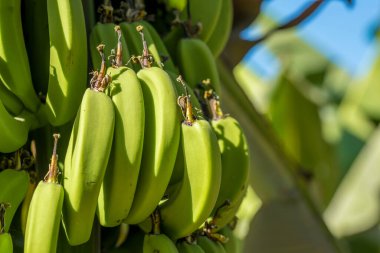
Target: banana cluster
(148, 144)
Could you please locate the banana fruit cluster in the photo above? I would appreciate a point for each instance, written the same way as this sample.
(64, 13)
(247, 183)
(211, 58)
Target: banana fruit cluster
(145, 145)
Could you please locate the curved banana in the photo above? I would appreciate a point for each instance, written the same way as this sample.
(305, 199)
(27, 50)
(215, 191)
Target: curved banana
(27, 200)
(42, 226)
(87, 157)
(205, 13)
(105, 34)
(36, 32)
(14, 65)
(222, 31)
(120, 179)
(161, 139)
(10, 101)
(68, 60)
(197, 194)
(188, 247)
(6, 244)
(197, 63)
(209, 245)
(14, 184)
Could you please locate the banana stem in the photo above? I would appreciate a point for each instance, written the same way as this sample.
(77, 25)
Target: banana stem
(185, 103)
(146, 57)
(156, 222)
(212, 100)
(100, 80)
(52, 175)
(119, 51)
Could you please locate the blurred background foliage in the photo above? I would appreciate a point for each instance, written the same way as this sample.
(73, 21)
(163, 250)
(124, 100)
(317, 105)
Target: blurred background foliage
(309, 100)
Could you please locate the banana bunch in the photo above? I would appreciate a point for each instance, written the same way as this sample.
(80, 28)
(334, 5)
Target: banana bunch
(147, 150)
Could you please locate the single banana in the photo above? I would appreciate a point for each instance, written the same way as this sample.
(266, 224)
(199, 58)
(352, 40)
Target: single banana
(235, 162)
(161, 139)
(33, 182)
(6, 244)
(197, 63)
(14, 184)
(87, 157)
(209, 245)
(68, 60)
(105, 34)
(188, 247)
(14, 65)
(205, 13)
(222, 31)
(120, 179)
(10, 101)
(42, 226)
(36, 32)
(197, 194)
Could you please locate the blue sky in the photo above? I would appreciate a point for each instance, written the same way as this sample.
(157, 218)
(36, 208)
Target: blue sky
(341, 32)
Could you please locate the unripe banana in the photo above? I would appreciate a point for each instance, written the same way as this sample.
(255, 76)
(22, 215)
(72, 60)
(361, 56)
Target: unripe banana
(27, 200)
(206, 13)
(235, 160)
(14, 65)
(209, 245)
(13, 131)
(197, 63)
(68, 60)
(120, 180)
(222, 30)
(197, 194)
(10, 101)
(105, 34)
(87, 157)
(14, 184)
(36, 32)
(6, 245)
(186, 247)
(42, 227)
(161, 139)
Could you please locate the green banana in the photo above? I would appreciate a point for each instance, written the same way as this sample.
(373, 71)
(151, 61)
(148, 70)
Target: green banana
(36, 35)
(188, 247)
(42, 226)
(10, 101)
(161, 139)
(197, 194)
(209, 245)
(120, 179)
(207, 14)
(14, 65)
(199, 68)
(222, 31)
(105, 34)
(87, 157)
(6, 245)
(68, 60)
(27, 200)
(14, 184)
(235, 161)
